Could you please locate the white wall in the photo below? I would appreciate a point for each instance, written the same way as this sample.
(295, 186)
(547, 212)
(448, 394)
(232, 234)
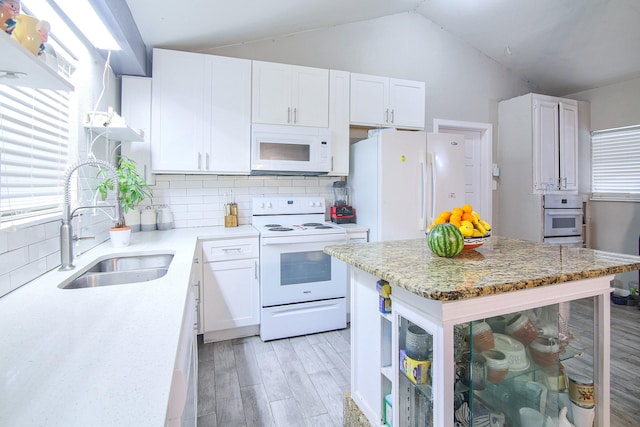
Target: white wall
(615, 226)
(461, 82)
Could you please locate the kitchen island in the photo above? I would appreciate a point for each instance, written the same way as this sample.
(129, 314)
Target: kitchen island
(444, 296)
(103, 356)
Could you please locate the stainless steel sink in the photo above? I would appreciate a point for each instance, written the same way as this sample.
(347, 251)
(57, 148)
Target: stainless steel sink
(128, 263)
(122, 270)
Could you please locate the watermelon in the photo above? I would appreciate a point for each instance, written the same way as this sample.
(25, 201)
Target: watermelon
(445, 240)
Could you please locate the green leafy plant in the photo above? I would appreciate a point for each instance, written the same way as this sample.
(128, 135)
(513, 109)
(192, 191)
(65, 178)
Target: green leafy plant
(133, 187)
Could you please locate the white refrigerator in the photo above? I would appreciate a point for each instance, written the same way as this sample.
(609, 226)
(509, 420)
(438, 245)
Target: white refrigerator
(401, 180)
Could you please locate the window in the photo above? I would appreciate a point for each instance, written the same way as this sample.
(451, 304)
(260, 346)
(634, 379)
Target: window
(34, 151)
(615, 164)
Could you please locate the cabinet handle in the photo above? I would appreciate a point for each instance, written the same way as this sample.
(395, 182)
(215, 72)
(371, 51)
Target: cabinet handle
(227, 250)
(255, 269)
(145, 173)
(386, 115)
(289, 115)
(393, 115)
(196, 261)
(295, 115)
(199, 161)
(207, 161)
(564, 182)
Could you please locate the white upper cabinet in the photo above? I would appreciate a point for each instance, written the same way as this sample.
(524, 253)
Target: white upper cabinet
(135, 108)
(555, 144)
(290, 95)
(201, 113)
(339, 82)
(382, 101)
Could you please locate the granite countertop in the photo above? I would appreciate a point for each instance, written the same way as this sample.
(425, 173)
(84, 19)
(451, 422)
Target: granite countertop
(98, 356)
(500, 265)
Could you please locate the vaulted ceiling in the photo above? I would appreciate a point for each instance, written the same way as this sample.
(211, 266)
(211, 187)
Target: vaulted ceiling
(561, 46)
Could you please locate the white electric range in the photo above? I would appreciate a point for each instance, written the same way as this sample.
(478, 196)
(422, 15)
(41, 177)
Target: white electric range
(302, 289)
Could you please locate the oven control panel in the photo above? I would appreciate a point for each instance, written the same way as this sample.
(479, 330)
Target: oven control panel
(287, 206)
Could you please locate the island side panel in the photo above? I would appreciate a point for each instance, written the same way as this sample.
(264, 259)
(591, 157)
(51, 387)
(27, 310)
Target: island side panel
(366, 333)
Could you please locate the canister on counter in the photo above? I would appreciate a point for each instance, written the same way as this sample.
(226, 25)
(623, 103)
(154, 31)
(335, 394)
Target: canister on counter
(581, 391)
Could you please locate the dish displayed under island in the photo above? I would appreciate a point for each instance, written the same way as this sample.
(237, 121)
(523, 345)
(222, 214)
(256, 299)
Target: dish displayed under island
(489, 330)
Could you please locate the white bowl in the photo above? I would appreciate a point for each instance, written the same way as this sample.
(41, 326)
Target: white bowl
(621, 292)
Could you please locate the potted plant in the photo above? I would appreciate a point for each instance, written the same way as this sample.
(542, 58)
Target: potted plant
(133, 190)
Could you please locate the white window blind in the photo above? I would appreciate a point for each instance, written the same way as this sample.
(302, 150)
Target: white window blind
(615, 164)
(34, 151)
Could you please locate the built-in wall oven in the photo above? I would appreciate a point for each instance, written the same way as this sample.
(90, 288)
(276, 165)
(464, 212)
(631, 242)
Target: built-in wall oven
(563, 216)
(302, 289)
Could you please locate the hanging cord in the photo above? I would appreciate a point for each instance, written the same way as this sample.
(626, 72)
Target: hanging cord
(105, 77)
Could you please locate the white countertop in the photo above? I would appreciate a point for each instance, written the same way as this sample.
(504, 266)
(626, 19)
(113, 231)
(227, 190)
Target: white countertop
(98, 356)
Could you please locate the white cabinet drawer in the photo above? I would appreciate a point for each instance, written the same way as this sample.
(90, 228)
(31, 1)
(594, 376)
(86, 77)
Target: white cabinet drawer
(230, 249)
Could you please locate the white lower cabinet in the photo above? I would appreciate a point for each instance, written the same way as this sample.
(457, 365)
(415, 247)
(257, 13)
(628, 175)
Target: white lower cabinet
(230, 288)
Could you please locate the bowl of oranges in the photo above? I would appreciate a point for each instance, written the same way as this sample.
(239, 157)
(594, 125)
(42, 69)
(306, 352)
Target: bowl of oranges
(474, 229)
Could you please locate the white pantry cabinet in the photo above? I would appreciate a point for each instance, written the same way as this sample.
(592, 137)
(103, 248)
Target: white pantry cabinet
(555, 143)
(339, 82)
(284, 94)
(230, 288)
(538, 145)
(383, 101)
(200, 113)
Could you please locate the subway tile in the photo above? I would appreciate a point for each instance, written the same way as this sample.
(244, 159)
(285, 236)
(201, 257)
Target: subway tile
(25, 236)
(41, 249)
(14, 259)
(186, 184)
(28, 272)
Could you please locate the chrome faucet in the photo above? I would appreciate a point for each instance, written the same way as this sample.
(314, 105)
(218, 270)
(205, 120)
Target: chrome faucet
(66, 230)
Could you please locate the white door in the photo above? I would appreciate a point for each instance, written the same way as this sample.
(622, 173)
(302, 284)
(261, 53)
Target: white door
(271, 93)
(369, 99)
(546, 144)
(180, 95)
(407, 101)
(568, 147)
(231, 296)
(478, 161)
(310, 97)
(230, 149)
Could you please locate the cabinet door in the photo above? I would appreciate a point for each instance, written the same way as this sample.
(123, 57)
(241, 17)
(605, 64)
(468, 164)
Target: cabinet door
(179, 101)
(407, 101)
(271, 93)
(231, 294)
(568, 147)
(229, 149)
(339, 82)
(310, 96)
(545, 145)
(369, 100)
(135, 107)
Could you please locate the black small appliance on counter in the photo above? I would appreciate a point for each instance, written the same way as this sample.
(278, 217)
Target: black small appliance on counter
(341, 212)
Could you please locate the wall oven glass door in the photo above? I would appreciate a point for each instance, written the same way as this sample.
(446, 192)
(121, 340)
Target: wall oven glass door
(293, 269)
(562, 222)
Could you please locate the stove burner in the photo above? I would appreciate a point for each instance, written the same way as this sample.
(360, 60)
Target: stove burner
(281, 229)
(272, 225)
(322, 227)
(312, 224)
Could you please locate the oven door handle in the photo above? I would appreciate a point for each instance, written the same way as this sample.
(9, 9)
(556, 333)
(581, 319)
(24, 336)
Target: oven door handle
(331, 238)
(562, 212)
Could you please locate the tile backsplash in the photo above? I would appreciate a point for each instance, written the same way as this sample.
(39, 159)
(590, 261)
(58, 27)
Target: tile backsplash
(198, 200)
(195, 200)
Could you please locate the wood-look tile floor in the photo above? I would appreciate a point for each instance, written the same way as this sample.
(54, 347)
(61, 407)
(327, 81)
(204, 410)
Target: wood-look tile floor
(300, 381)
(290, 382)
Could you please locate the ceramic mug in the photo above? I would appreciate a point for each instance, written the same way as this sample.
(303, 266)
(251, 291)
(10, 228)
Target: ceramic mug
(482, 336)
(522, 328)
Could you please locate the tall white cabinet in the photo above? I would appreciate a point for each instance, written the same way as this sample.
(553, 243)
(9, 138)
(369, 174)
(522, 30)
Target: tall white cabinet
(201, 113)
(537, 154)
(286, 94)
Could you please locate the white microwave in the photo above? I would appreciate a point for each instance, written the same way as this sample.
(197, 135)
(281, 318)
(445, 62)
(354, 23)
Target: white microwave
(290, 150)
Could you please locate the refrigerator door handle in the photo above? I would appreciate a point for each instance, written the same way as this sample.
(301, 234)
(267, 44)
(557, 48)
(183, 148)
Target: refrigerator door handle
(422, 225)
(432, 192)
